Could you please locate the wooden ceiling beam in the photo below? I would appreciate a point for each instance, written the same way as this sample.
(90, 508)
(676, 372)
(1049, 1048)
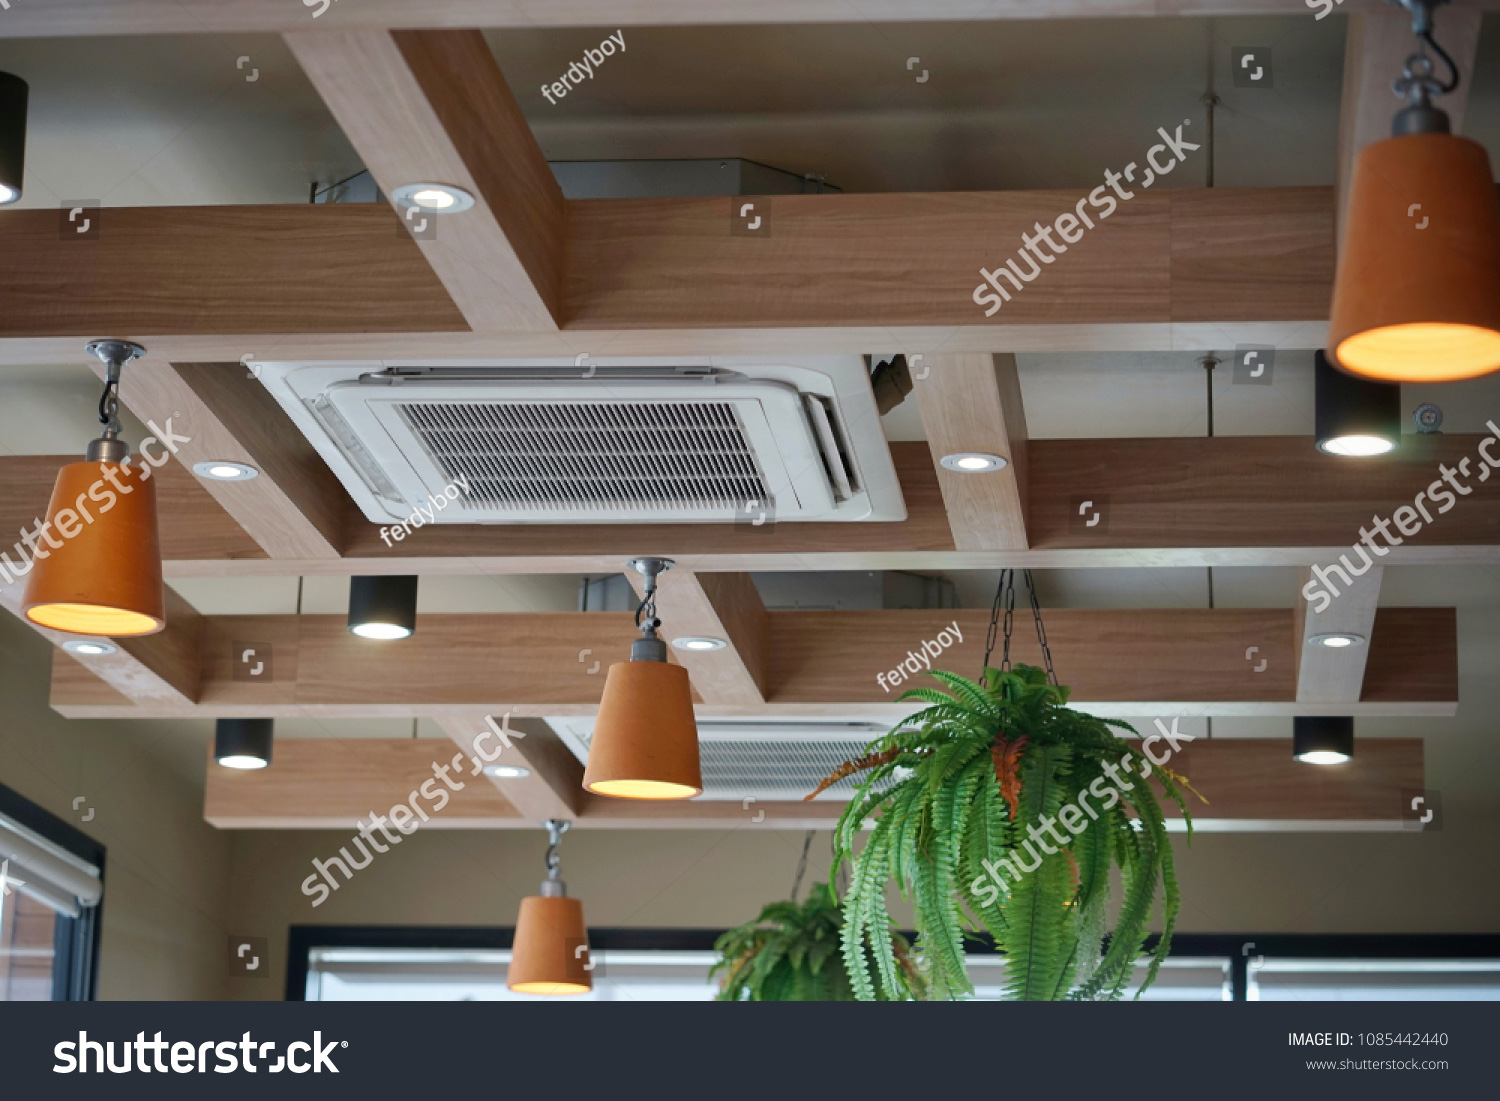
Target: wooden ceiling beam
(1130, 662)
(57, 18)
(1334, 674)
(1161, 259)
(721, 606)
(1162, 502)
(973, 403)
(1376, 46)
(554, 788)
(1251, 784)
(432, 107)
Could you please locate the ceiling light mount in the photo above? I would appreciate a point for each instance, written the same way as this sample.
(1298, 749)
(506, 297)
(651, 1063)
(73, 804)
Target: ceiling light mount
(1417, 85)
(433, 198)
(114, 354)
(649, 647)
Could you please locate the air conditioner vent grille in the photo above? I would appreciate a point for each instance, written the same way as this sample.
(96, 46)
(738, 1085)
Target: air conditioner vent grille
(551, 456)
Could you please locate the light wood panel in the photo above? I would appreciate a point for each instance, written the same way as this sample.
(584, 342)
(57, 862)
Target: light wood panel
(1376, 46)
(295, 508)
(313, 268)
(1327, 674)
(332, 783)
(716, 605)
(1251, 784)
(1251, 492)
(431, 106)
(555, 787)
(1245, 254)
(973, 403)
(1151, 662)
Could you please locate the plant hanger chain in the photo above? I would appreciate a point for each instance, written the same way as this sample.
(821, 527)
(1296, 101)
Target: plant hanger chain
(1005, 594)
(802, 864)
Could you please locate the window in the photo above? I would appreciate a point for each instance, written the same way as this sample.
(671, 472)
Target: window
(51, 886)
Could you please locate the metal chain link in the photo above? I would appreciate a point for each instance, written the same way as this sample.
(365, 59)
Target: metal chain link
(802, 864)
(1005, 594)
(1041, 630)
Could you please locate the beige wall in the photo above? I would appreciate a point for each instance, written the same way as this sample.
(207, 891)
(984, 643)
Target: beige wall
(166, 870)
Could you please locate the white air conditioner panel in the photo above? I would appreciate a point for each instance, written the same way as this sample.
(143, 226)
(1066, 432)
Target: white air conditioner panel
(629, 441)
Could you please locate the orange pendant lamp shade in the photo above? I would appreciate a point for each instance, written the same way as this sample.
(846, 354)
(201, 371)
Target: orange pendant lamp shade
(550, 952)
(97, 566)
(645, 743)
(1417, 298)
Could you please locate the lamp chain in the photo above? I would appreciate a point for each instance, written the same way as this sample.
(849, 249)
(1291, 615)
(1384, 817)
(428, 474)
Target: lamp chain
(555, 829)
(802, 864)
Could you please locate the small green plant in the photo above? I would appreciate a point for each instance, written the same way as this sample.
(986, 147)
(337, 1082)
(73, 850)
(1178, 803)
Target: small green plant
(966, 795)
(790, 953)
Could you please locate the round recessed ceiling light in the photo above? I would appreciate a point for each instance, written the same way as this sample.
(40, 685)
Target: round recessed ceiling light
(91, 647)
(699, 643)
(1356, 445)
(1337, 639)
(973, 462)
(435, 198)
(507, 772)
(223, 471)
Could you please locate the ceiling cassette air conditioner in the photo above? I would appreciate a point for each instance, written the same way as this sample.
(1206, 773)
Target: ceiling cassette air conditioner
(717, 440)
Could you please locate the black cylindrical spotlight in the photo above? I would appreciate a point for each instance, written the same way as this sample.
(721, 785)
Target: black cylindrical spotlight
(243, 743)
(383, 607)
(13, 94)
(1323, 739)
(1354, 416)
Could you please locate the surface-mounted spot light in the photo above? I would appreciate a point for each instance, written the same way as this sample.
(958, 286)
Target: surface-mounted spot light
(1337, 640)
(972, 462)
(1354, 416)
(382, 607)
(645, 742)
(434, 198)
(243, 743)
(101, 574)
(13, 96)
(550, 952)
(221, 471)
(89, 647)
(1323, 739)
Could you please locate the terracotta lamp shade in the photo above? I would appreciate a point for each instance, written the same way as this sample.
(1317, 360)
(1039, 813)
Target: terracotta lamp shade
(1417, 298)
(545, 958)
(645, 743)
(105, 576)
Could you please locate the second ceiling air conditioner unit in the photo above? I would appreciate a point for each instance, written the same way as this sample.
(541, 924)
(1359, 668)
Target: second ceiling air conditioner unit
(608, 441)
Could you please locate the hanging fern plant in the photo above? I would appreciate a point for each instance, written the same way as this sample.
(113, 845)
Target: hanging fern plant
(791, 953)
(1001, 809)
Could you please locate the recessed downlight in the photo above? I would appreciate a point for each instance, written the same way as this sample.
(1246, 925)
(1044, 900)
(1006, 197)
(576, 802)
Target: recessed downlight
(700, 643)
(434, 198)
(973, 462)
(223, 471)
(1337, 640)
(507, 772)
(89, 647)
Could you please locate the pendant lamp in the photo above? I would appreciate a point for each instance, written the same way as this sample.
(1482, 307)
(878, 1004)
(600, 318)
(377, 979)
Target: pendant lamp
(645, 742)
(1417, 296)
(96, 569)
(550, 953)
